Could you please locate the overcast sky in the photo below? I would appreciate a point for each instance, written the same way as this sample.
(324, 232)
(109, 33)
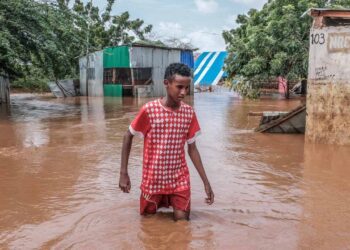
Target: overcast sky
(200, 22)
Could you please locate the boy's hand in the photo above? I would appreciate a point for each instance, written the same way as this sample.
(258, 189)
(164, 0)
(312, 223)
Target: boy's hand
(124, 183)
(210, 194)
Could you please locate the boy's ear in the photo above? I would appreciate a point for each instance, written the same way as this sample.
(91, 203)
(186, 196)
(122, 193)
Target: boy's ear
(166, 82)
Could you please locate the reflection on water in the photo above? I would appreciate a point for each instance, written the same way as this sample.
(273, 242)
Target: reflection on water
(59, 161)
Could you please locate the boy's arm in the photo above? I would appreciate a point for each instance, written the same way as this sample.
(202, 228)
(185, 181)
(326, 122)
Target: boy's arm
(196, 159)
(124, 180)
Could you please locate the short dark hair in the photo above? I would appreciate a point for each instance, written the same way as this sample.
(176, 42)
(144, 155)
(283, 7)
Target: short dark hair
(177, 69)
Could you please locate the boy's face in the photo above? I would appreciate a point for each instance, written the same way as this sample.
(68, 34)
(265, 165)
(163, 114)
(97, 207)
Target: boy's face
(178, 87)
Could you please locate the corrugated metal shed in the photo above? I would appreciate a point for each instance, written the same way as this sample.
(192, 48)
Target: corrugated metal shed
(135, 56)
(209, 68)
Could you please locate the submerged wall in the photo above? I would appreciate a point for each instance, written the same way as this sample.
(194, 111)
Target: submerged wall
(328, 99)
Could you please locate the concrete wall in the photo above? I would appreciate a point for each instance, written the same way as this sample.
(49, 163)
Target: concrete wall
(95, 84)
(328, 99)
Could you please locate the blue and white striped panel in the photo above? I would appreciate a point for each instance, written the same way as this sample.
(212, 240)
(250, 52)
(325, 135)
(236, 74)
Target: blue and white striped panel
(209, 68)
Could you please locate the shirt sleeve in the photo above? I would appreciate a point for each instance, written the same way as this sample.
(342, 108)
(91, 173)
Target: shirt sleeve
(141, 124)
(194, 130)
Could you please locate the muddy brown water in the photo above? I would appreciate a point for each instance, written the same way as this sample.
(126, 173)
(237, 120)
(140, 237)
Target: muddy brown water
(59, 161)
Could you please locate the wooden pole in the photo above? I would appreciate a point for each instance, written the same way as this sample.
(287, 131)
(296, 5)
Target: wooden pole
(4, 90)
(114, 75)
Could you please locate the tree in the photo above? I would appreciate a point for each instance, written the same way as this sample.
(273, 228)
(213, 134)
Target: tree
(47, 37)
(178, 43)
(272, 42)
(37, 35)
(21, 36)
(106, 30)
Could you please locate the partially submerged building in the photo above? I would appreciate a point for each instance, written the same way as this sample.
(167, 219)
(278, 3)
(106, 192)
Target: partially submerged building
(209, 68)
(328, 98)
(130, 70)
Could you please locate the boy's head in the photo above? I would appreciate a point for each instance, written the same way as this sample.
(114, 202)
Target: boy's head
(177, 80)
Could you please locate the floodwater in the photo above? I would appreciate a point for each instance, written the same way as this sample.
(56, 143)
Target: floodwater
(59, 164)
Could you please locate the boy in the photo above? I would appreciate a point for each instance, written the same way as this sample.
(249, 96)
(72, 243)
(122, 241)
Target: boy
(166, 124)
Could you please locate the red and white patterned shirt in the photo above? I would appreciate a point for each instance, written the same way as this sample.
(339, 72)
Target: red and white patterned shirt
(165, 133)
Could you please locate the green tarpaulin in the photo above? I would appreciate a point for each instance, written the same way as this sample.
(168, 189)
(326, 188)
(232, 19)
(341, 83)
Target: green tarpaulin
(116, 57)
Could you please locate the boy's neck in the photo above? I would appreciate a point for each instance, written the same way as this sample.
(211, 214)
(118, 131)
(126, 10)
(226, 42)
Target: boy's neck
(168, 102)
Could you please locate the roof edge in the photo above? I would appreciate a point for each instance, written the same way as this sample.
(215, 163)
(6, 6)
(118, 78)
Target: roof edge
(314, 12)
(157, 46)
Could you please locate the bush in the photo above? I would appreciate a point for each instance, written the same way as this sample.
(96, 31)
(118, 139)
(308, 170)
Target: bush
(245, 87)
(31, 84)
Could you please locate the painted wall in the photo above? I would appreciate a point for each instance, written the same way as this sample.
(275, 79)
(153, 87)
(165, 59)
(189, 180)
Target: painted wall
(95, 84)
(328, 99)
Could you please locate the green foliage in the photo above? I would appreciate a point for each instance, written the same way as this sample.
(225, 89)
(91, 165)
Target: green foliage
(105, 30)
(31, 83)
(48, 37)
(273, 41)
(34, 80)
(245, 87)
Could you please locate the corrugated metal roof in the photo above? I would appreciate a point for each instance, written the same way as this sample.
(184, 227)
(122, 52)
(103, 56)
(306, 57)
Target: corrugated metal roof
(157, 46)
(157, 58)
(209, 68)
